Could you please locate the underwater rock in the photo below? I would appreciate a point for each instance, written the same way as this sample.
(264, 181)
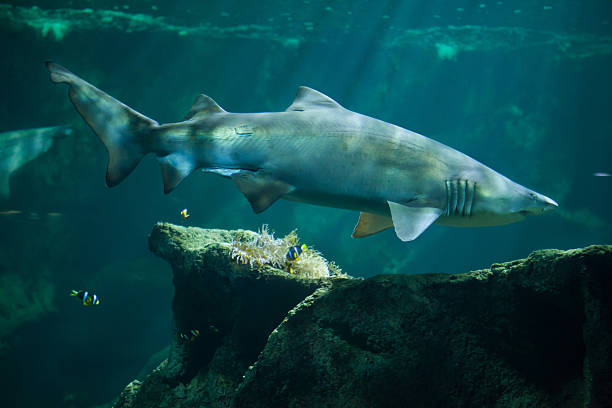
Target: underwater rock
(446, 41)
(57, 23)
(533, 332)
(233, 306)
(451, 40)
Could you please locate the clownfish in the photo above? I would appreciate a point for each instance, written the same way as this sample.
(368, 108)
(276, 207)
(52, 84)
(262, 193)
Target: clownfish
(189, 337)
(89, 299)
(294, 252)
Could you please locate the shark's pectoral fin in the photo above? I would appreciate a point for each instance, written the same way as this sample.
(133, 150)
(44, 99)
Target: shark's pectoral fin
(370, 224)
(410, 222)
(261, 190)
(175, 167)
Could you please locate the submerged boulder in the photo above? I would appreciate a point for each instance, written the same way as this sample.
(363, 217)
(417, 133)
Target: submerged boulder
(532, 332)
(228, 298)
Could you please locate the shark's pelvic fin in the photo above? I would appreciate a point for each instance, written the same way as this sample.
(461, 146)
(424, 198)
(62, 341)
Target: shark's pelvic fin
(175, 167)
(370, 224)
(309, 99)
(122, 130)
(410, 222)
(259, 189)
(203, 105)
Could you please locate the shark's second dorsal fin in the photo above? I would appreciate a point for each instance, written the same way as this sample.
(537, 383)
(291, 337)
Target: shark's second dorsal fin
(309, 99)
(203, 104)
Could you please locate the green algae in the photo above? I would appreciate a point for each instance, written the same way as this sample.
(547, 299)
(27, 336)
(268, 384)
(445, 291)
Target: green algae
(446, 42)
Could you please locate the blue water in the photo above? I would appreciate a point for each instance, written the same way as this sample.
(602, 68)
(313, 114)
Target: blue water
(523, 87)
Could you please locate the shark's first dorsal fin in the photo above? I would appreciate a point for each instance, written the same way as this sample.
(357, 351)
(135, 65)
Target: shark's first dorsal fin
(203, 104)
(309, 99)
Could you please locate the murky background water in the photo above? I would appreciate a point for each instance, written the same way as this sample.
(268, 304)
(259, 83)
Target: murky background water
(523, 87)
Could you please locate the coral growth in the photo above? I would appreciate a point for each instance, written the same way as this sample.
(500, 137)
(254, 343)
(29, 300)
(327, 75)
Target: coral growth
(265, 250)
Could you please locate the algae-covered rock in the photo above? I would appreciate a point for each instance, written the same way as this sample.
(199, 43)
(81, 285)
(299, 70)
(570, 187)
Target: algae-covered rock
(532, 332)
(233, 306)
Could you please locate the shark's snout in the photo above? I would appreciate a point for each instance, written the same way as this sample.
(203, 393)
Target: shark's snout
(549, 203)
(542, 203)
(535, 203)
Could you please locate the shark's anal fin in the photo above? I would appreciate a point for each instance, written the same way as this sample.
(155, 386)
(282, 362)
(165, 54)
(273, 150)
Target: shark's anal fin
(370, 224)
(410, 222)
(175, 167)
(259, 189)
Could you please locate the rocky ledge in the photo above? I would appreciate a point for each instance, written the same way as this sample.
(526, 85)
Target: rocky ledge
(532, 332)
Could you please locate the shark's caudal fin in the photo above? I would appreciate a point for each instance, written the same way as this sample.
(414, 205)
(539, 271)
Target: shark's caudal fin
(122, 130)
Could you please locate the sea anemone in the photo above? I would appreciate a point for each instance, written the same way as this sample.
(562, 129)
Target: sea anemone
(265, 250)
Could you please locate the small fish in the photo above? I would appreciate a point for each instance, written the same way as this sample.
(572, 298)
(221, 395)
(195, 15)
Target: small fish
(602, 174)
(184, 213)
(89, 299)
(189, 337)
(295, 251)
(213, 329)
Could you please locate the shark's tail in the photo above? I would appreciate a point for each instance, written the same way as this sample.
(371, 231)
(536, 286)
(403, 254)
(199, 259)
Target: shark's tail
(123, 131)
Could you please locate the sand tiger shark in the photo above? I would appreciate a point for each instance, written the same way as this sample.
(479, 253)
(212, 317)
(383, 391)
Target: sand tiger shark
(316, 152)
(19, 147)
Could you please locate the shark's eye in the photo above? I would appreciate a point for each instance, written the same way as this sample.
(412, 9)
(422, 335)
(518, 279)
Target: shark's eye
(533, 196)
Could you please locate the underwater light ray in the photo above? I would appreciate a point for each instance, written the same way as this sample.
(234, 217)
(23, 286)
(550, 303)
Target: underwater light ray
(363, 65)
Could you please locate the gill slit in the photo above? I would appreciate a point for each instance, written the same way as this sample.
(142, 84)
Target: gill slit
(460, 196)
